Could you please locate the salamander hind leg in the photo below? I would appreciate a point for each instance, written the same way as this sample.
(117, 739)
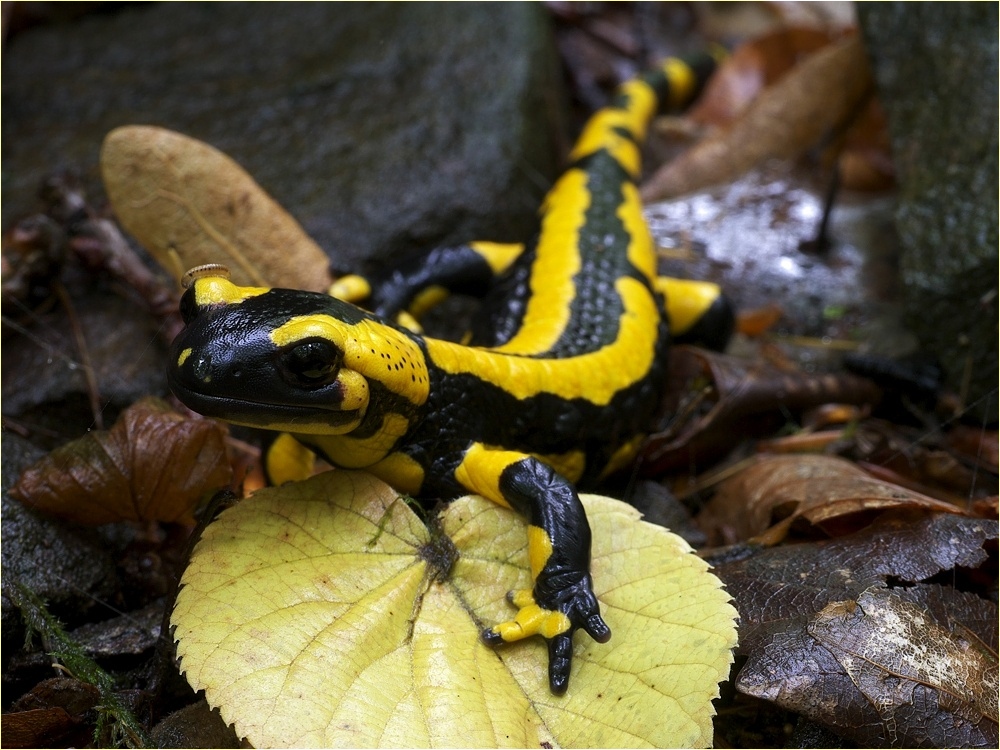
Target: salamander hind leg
(562, 598)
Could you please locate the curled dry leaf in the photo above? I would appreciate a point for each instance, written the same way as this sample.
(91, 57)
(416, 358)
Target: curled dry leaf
(152, 465)
(190, 204)
(812, 102)
(818, 489)
(324, 613)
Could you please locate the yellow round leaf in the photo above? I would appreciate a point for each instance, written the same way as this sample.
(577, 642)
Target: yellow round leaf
(318, 614)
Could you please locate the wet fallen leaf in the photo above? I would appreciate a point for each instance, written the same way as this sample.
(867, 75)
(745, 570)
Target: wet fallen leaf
(51, 714)
(324, 613)
(976, 443)
(895, 677)
(793, 581)
(826, 636)
(812, 102)
(152, 465)
(190, 204)
(41, 727)
(713, 401)
(767, 497)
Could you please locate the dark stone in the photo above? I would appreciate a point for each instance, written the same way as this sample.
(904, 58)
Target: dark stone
(936, 69)
(196, 725)
(67, 567)
(43, 383)
(383, 128)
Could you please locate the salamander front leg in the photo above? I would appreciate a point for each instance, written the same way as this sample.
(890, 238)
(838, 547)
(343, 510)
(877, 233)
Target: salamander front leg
(561, 599)
(415, 286)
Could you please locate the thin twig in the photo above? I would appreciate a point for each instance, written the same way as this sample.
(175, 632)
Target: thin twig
(86, 364)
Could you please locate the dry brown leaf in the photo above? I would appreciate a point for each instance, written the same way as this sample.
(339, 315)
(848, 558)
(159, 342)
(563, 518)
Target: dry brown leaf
(787, 119)
(153, 465)
(190, 204)
(818, 489)
(754, 65)
(756, 322)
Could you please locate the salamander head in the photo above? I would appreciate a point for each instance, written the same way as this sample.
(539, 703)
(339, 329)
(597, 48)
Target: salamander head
(283, 359)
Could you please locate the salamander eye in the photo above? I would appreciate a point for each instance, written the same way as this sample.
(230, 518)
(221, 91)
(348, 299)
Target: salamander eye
(311, 364)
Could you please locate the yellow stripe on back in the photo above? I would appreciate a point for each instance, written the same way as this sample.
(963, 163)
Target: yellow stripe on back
(640, 247)
(600, 131)
(682, 81)
(596, 376)
(557, 262)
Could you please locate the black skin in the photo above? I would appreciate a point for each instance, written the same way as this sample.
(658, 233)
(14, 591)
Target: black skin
(548, 501)
(462, 410)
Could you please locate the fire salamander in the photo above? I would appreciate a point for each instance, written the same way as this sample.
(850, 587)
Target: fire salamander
(552, 388)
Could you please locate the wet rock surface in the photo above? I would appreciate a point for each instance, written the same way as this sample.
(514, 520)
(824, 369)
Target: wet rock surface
(754, 236)
(936, 71)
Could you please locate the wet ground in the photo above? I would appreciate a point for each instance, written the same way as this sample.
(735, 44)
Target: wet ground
(756, 237)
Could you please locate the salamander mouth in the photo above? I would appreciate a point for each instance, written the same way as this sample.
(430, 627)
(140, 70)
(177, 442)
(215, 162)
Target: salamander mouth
(272, 416)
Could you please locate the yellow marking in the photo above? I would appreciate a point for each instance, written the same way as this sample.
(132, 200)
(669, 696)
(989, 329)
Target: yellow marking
(600, 130)
(350, 288)
(641, 253)
(319, 427)
(288, 460)
(499, 255)
(426, 299)
(687, 301)
(407, 321)
(623, 456)
(682, 81)
(401, 471)
(532, 619)
(595, 376)
(184, 356)
(351, 452)
(215, 290)
(558, 260)
(346, 418)
(354, 388)
(481, 468)
(539, 549)
(377, 351)
(569, 465)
